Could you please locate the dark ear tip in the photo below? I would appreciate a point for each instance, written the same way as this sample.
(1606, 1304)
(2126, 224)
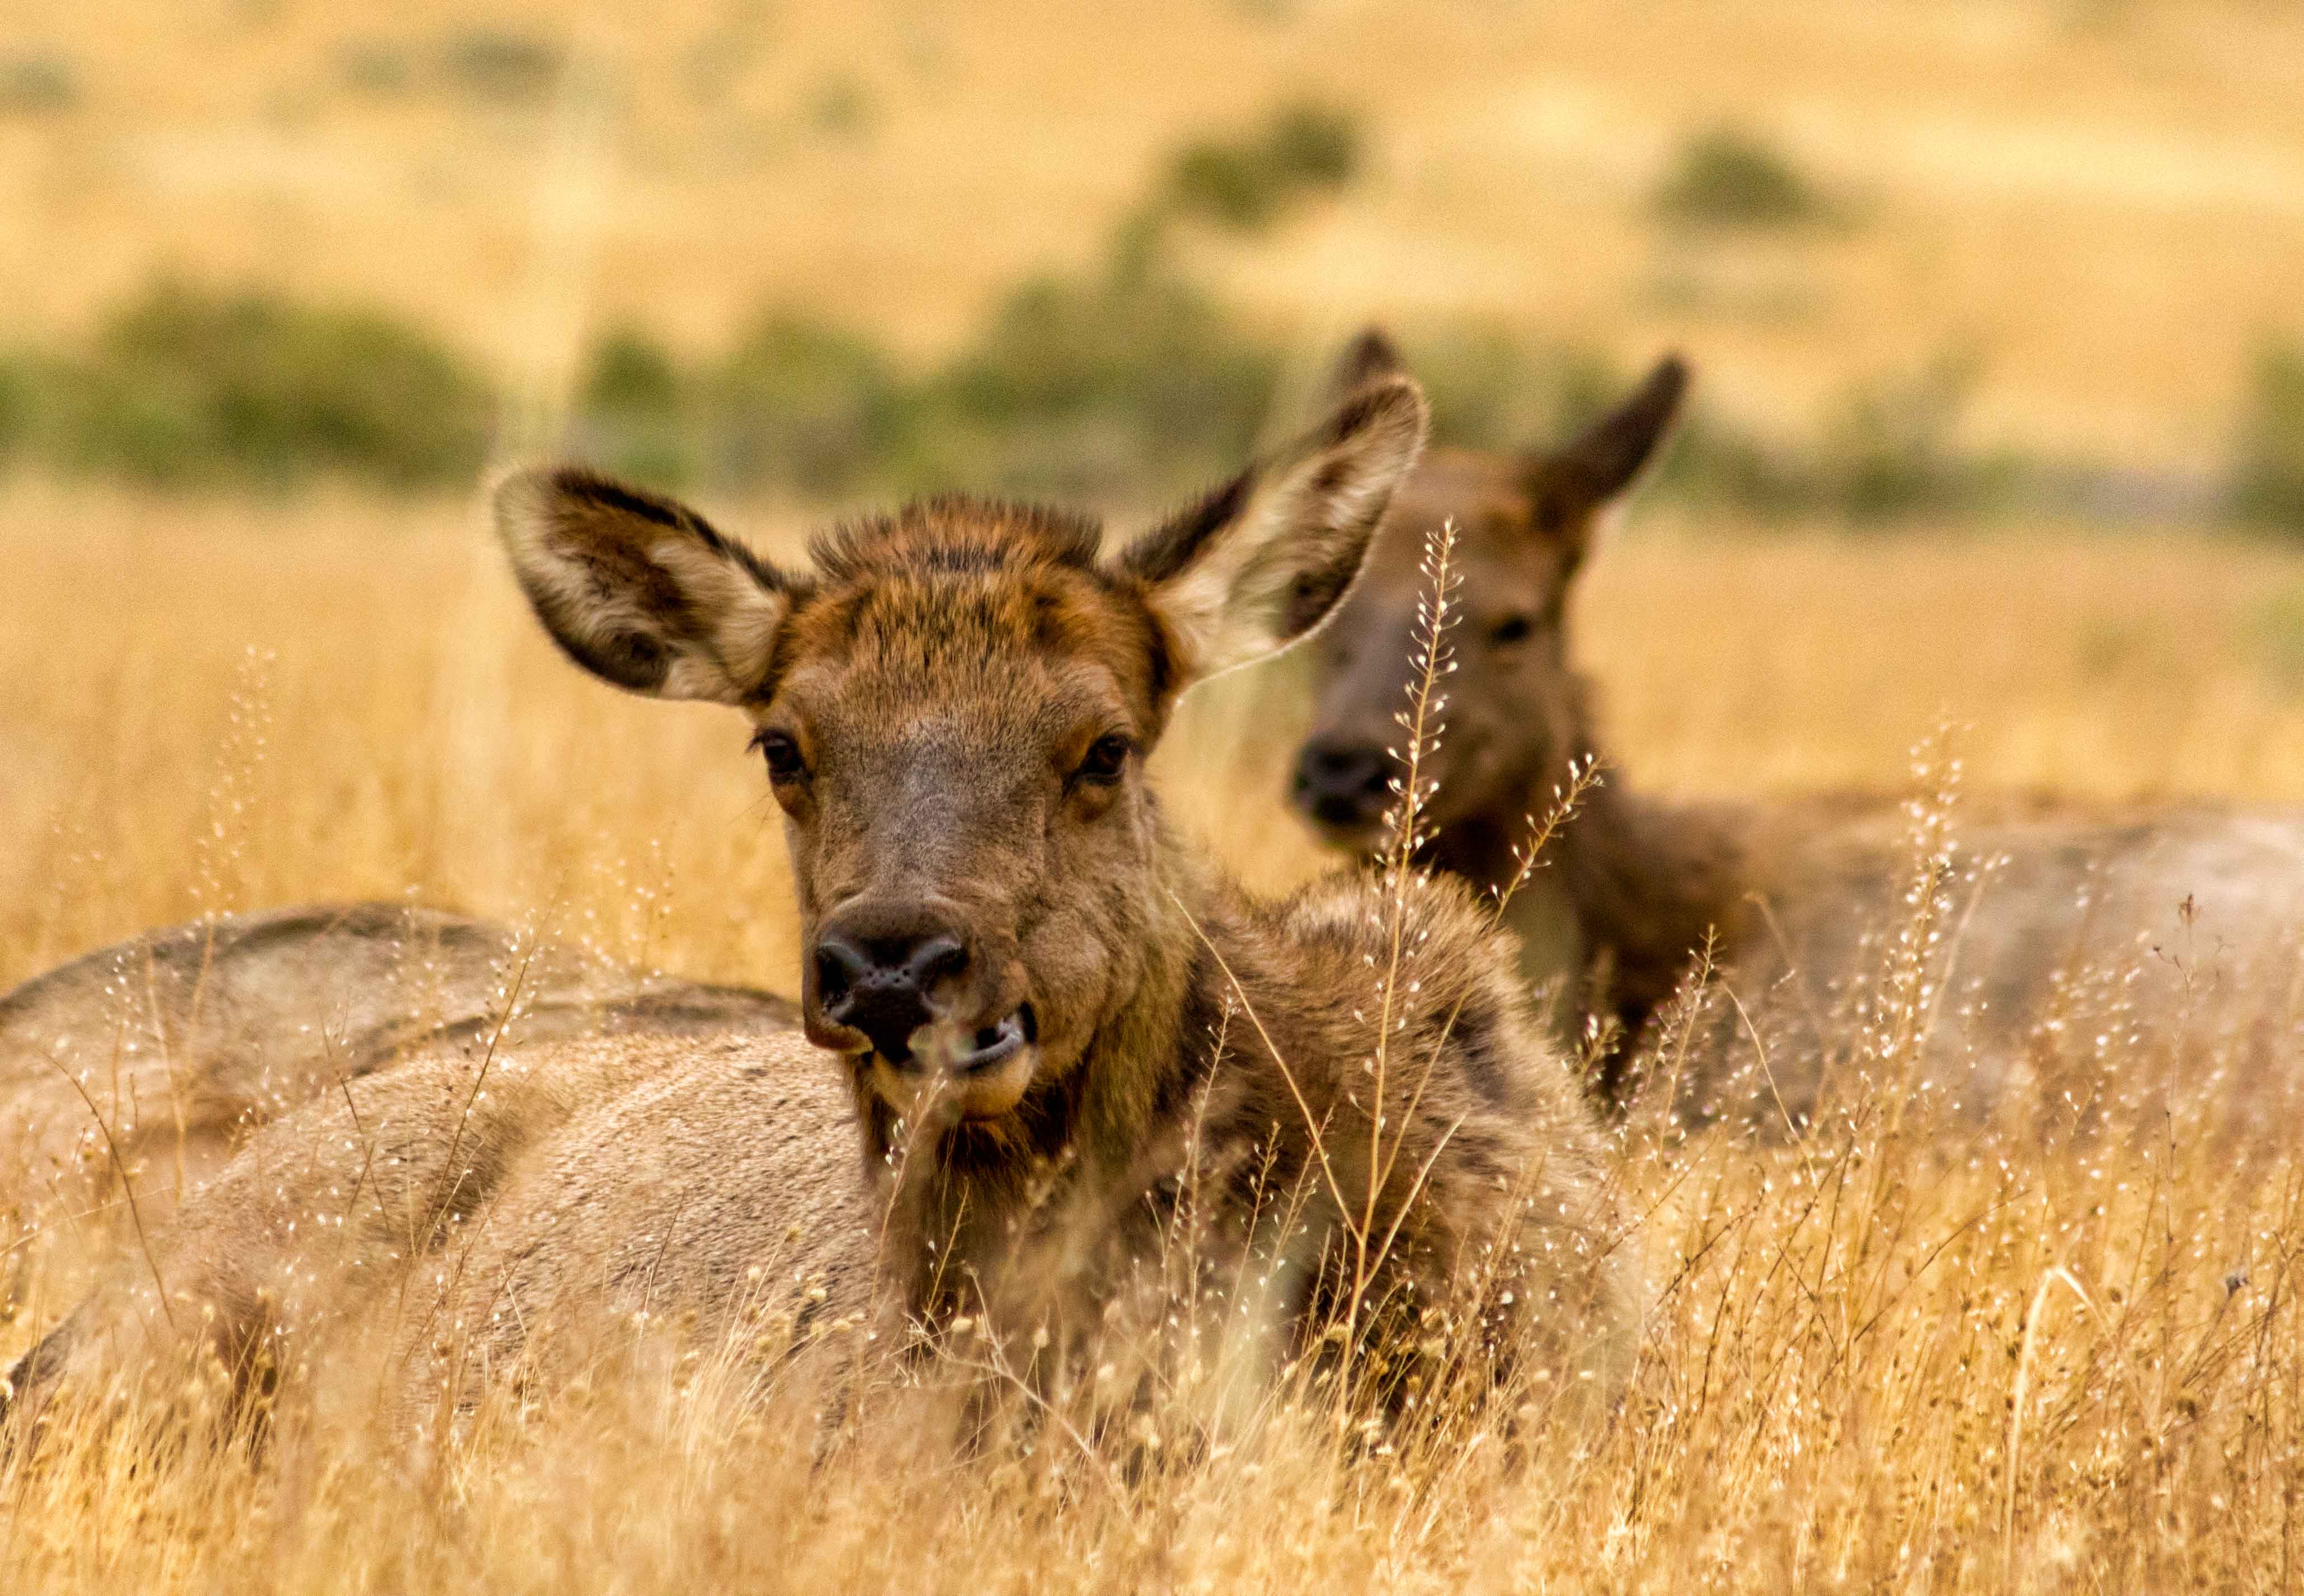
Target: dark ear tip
(1672, 375)
(1369, 357)
(1396, 401)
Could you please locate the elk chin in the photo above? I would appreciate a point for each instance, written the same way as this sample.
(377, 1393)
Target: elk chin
(992, 1092)
(1358, 839)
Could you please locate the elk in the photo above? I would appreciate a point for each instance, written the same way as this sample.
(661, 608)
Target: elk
(2064, 922)
(136, 1070)
(1035, 1030)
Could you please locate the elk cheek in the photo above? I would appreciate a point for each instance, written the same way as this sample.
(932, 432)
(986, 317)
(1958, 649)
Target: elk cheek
(1092, 801)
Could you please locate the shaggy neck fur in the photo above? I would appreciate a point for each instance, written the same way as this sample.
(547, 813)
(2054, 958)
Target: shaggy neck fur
(1083, 1144)
(1646, 881)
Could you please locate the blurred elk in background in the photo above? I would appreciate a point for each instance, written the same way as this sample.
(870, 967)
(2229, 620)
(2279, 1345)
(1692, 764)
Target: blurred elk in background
(1868, 937)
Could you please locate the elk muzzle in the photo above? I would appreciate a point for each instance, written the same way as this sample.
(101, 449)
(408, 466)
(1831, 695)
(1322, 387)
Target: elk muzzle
(1343, 785)
(905, 987)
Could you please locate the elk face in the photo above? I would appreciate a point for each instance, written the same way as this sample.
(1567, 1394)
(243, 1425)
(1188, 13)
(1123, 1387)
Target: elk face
(1524, 524)
(952, 706)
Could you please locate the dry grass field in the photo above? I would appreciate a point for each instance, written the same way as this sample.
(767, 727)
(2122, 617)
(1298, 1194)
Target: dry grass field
(224, 706)
(1896, 1354)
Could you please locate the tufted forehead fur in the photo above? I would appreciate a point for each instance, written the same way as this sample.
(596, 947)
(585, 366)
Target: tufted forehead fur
(955, 534)
(955, 596)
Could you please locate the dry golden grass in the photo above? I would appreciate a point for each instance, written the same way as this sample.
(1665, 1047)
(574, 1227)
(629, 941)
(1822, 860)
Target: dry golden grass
(2103, 199)
(1897, 1355)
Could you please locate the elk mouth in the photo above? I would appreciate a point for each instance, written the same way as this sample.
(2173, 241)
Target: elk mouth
(976, 1074)
(1354, 829)
(1351, 831)
(993, 1045)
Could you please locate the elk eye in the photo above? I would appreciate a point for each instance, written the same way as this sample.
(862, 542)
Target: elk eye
(781, 754)
(1511, 630)
(1106, 760)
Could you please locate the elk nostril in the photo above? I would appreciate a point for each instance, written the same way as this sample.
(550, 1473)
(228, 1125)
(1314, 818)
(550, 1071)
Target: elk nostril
(1335, 768)
(880, 979)
(935, 960)
(838, 965)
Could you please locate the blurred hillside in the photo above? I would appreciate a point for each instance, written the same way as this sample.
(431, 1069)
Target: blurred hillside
(2070, 229)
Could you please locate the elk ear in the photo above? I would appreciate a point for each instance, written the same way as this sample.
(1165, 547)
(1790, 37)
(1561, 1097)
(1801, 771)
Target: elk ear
(640, 590)
(1578, 487)
(1606, 456)
(1368, 358)
(1263, 559)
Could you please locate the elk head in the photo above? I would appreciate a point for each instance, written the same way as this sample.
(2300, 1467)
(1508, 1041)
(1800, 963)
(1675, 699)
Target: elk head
(1524, 524)
(952, 705)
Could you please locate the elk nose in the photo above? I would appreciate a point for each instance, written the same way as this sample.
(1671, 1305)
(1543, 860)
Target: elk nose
(881, 984)
(1343, 782)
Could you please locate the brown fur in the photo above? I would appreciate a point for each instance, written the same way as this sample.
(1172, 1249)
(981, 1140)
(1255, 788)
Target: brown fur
(2065, 920)
(182, 1041)
(1199, 1063)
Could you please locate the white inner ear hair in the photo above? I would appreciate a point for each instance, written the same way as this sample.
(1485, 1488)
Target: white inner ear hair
(1232, 605)
(728, 612)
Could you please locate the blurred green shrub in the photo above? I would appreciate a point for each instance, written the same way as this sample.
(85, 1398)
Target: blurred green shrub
(19, 405)
(187, 387)
(1245, 184)
(635, 412)
(500, 64)
(843, 108)
(36, 85)
(2267, 474)
(2273, 635)
(802, 403)
(798, 403)
(1122, 382)
(486, 64)
(374, 67)
(1135, 378)
(1713, 461)
(1492, 388)
(1891, 448)
(1730, 177)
